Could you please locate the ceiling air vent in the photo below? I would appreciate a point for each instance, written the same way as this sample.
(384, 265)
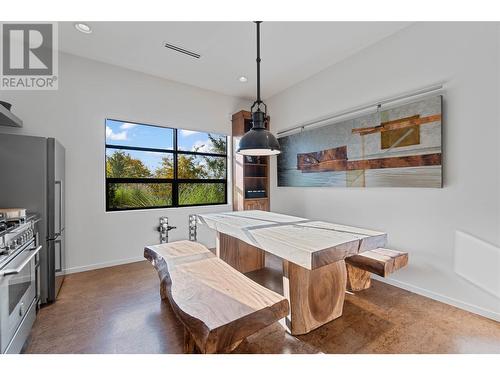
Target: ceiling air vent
(181, 50)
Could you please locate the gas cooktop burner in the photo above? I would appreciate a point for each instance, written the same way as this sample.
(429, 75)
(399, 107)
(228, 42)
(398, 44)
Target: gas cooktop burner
(14, 236)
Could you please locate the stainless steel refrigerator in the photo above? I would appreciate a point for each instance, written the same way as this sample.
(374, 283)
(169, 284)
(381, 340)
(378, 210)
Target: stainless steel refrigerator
(32, 177)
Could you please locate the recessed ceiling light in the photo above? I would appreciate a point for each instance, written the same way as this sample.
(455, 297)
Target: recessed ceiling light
(83, 28)
(243, 79)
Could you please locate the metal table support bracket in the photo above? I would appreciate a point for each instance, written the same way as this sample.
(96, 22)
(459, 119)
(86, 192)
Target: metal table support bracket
(164, 228)
(193, 219)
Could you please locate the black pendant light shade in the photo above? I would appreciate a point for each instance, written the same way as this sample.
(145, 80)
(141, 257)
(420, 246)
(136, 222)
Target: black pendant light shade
(258, 141)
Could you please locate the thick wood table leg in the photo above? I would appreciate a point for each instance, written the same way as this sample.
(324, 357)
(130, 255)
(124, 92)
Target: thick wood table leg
(316, 296)
(357, 279)
(238, 254)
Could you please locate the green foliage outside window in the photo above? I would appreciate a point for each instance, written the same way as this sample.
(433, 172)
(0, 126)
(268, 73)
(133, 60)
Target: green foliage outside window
(121, 164)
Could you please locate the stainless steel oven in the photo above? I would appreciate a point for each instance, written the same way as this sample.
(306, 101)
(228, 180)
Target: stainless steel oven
(18, 292)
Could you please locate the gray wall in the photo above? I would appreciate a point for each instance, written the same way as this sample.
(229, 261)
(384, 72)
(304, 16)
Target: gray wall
(88, 93)
(424, 222)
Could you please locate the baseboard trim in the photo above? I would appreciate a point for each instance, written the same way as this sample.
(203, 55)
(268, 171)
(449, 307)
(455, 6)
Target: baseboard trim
(96, 266)
(441, 298)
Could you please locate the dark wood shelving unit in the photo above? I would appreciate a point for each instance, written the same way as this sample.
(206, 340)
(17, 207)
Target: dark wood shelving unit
(250, 174)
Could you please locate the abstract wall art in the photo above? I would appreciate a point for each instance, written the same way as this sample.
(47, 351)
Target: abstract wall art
(396, 147)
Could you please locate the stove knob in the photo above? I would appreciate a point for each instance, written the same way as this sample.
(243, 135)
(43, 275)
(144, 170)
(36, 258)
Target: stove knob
(12, 245)
(19, 241)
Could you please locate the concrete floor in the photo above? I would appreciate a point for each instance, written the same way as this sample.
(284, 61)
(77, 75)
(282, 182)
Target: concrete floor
(118, 310)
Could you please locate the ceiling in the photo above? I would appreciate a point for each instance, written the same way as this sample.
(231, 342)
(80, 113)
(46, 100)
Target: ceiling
(291, 51)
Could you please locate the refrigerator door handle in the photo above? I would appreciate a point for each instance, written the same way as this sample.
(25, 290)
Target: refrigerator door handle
(58, 233)
(58, 242)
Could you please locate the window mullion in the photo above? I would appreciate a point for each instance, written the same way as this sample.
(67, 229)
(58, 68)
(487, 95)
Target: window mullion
(175, 184)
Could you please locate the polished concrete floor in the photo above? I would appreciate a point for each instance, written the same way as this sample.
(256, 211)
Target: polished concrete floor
(118, 310)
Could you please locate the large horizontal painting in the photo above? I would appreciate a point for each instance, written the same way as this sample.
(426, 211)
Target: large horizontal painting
(398, 147)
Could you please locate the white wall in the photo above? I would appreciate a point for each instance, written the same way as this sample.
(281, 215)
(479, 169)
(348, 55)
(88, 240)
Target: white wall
(421, 221)
(88, 93)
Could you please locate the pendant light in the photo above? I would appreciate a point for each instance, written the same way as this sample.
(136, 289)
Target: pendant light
(258, 141)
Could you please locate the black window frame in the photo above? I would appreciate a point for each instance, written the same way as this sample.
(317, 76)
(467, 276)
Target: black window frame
(173, 181)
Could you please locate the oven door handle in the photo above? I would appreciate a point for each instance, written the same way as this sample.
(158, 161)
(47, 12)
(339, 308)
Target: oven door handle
(15, 271)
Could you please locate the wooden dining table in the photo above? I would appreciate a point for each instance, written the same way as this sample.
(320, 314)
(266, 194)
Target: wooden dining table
(312, 251)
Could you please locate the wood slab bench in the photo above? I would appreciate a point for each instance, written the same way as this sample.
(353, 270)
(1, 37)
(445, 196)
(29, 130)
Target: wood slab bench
(218, 306)
(379, 261)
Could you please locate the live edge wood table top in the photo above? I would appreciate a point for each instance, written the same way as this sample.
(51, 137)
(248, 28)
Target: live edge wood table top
(308, 243)
(313, 253)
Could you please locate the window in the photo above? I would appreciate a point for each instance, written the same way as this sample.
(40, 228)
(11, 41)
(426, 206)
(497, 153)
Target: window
(154, 167)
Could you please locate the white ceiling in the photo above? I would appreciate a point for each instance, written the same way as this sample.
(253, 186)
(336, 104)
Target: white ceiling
(291, 51)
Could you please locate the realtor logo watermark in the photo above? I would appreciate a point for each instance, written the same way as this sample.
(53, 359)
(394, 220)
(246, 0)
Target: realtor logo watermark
(29, 56)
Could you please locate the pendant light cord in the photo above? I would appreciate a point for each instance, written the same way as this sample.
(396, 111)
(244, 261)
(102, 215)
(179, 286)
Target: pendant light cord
(258, 61)
(259, 101)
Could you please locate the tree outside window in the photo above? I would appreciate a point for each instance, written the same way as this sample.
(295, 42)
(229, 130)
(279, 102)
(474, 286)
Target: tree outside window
(152, 167)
